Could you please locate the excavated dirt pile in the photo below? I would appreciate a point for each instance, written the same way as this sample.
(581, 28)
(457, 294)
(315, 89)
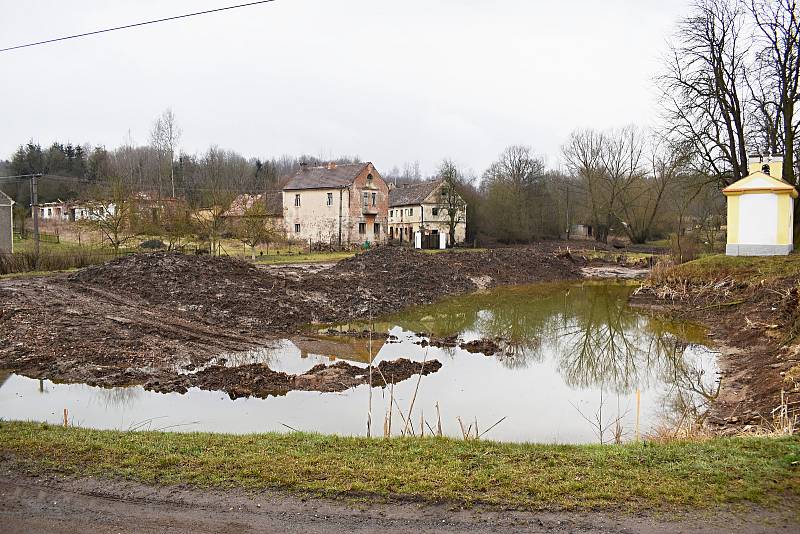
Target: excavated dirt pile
(136, 319)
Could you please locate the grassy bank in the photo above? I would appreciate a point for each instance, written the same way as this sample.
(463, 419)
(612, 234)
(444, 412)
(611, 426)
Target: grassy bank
(748, 270)
(430, 469)
(314, 257)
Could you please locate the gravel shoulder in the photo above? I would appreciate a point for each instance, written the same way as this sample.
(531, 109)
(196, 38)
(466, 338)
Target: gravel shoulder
(68, 505)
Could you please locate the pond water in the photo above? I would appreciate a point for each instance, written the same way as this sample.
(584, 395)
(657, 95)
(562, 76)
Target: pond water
(573, 358)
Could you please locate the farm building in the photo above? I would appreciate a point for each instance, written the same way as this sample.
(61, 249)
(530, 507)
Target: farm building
(336, 204)
(422, 207)
(6, 224)
(760, 211)
(272, 200)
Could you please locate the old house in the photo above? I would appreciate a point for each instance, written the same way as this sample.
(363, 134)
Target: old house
(760, 211)
(424, 207)
(54, 211)
(6, 224)
(272, 200)
(336, 204)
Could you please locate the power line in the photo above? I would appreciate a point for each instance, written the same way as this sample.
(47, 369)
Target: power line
(135, 25)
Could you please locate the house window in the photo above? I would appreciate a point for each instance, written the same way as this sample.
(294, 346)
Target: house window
(366, 199)
(297, 228)
(411, 211)
(377, 229)
(435, 211)
(297, 202)
(362, 228)
(374, 197)
(391, 213)
(330, 199)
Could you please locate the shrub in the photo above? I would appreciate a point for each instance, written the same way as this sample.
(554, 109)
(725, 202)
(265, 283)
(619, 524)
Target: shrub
(683, 248)
(21, 262)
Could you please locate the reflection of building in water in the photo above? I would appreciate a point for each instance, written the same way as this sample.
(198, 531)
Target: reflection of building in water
(356, 349)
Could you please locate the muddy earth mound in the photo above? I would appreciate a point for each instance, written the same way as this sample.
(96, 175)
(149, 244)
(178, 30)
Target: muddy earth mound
(140, 317)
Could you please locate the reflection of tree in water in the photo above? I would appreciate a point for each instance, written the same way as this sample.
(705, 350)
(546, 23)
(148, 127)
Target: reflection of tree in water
(119, 397)
(597, 339)
(692, 387)
(602, 345)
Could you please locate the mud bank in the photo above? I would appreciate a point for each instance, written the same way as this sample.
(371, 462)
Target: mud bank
(753, 326)
(258, 380)
(136, 319)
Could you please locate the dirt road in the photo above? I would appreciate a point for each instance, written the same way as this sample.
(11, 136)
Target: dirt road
(57, 505)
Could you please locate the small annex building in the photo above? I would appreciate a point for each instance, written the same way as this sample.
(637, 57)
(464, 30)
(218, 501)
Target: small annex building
(421, 207)
(6, 224)
(760, 211)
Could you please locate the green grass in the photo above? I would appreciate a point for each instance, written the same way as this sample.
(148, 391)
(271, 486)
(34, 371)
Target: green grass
(741, 268)
(612, 256)
(314, 257)
(30, 274)
(636, 476)
(28, 245)
(661, 243)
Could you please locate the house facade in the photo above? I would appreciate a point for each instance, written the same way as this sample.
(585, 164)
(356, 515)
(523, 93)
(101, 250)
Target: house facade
(60, 211)
(336, 204)
(6, 224)
(760, 211)
(423, 207)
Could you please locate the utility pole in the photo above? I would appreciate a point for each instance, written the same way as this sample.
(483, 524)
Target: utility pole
(35, 214)
(341, 195)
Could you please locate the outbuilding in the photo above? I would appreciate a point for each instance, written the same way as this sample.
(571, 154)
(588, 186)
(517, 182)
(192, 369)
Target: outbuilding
(6, 224)
(760, 211)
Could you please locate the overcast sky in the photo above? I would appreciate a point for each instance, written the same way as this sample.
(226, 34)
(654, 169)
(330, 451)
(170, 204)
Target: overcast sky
(389, 81)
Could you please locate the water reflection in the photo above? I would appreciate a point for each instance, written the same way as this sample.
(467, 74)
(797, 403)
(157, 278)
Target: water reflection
(595, 338)
(564, 350)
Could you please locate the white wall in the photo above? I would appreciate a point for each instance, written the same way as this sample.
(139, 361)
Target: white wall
(758, 219)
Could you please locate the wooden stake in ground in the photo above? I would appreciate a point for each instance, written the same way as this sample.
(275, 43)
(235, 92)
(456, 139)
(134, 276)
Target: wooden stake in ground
(369, 408)
(638, 405)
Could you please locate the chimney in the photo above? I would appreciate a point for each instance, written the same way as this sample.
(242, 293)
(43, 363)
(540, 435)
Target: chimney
(770, 165)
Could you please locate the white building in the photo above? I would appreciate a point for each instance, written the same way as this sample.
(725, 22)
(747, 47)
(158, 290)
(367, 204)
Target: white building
(761, 211)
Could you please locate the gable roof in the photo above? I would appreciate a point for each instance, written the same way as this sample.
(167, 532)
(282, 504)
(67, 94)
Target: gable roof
(759, 182)
(325, 177)
(5, 200)
(411, 194)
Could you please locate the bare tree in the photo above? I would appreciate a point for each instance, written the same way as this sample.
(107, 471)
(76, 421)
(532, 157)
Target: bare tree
(450, 198)
(164, 137)
(778, 40)
(514, 187)
(114, 217)
(704, 90)
(255, 228)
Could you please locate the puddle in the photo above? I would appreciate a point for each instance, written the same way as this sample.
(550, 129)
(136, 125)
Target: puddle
(568, 350)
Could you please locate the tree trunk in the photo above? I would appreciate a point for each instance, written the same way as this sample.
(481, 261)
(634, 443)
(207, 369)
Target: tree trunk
(796, 224)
